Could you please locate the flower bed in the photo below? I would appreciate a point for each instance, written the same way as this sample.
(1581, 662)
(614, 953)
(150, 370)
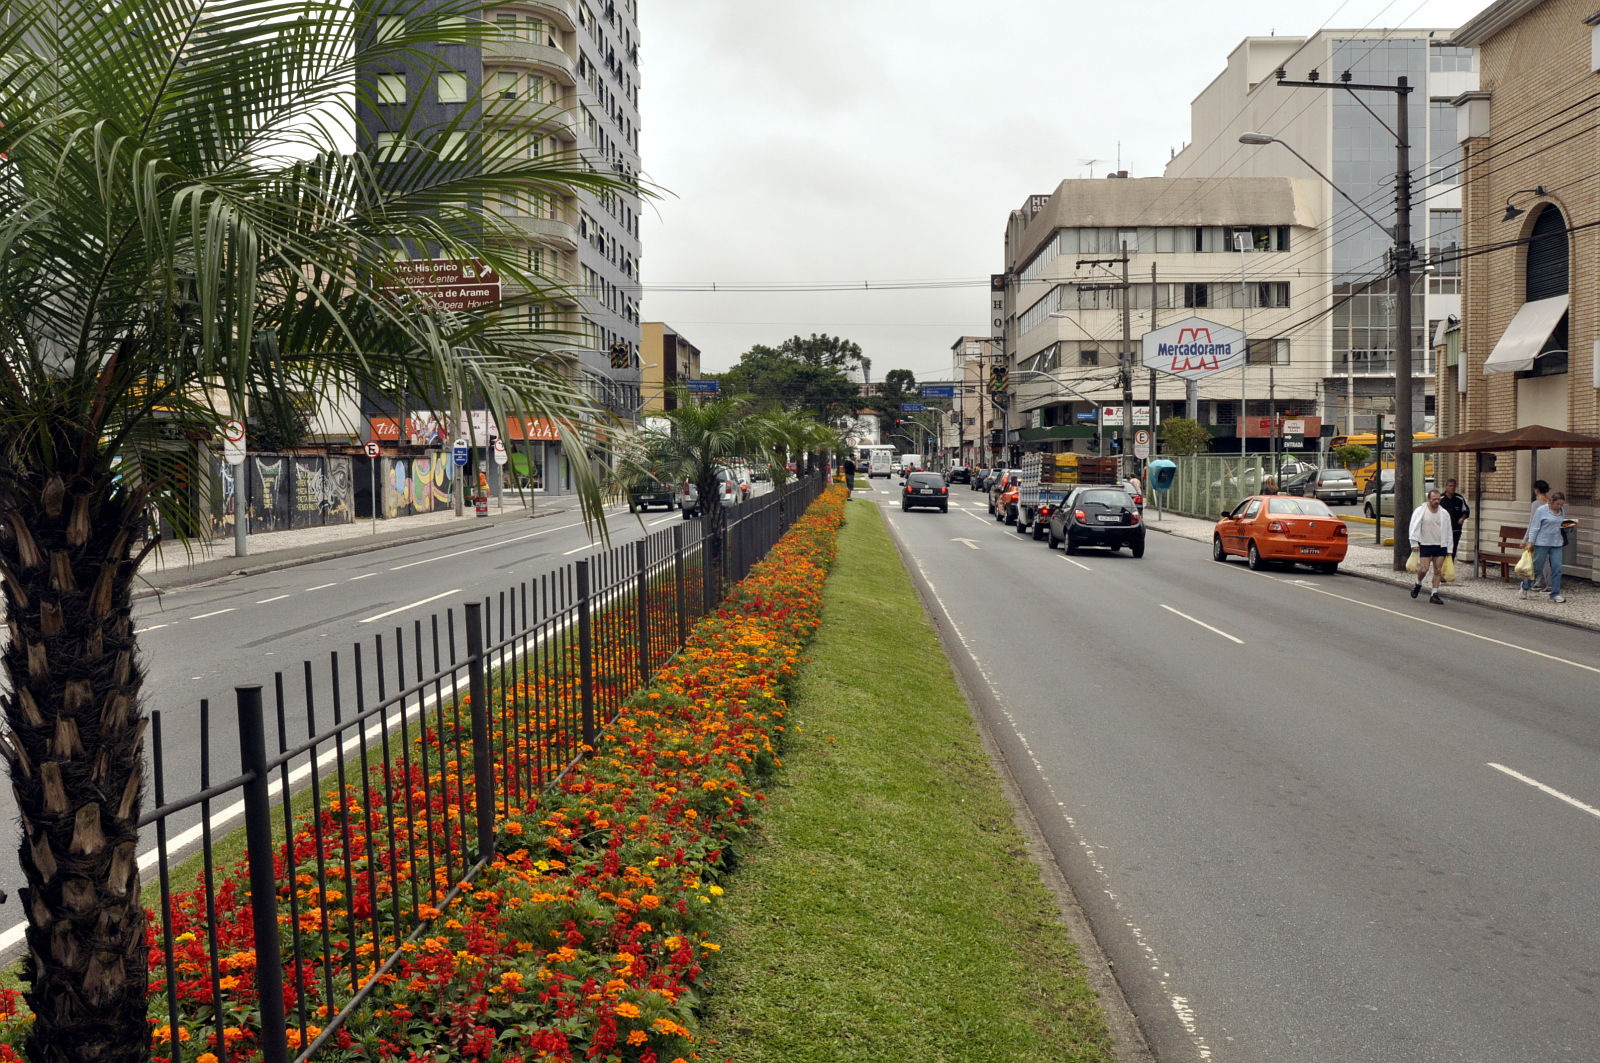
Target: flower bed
(584, 940)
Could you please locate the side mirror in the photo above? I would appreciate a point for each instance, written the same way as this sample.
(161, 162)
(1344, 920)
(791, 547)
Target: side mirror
(1226, 515)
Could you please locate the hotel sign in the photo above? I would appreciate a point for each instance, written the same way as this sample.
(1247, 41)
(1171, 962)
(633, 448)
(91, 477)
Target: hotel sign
(1194, 348)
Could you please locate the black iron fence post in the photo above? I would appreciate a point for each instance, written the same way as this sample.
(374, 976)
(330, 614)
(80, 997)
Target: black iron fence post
(683, 613)
(643, 610)
(263, 877)
(482, 745)
(585, 654)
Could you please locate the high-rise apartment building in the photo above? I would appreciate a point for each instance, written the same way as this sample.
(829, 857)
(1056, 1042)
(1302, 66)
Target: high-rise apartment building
(1338, 134)
(570, 70)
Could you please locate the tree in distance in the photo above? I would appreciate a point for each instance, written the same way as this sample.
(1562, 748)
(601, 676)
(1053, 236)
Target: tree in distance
(186, 236)
(1182, 437)
(1352, 455)
(800, 374)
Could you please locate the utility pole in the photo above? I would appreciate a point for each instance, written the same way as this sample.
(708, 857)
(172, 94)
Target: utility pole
(1124, 363)
(1401, 259)
(1154, 444)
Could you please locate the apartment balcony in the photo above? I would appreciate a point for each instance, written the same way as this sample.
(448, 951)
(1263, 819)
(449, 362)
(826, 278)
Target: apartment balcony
(561, 13)
(551, 62)
(551, 231)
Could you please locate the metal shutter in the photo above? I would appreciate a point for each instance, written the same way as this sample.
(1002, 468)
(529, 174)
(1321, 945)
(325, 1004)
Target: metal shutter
(1547, 256)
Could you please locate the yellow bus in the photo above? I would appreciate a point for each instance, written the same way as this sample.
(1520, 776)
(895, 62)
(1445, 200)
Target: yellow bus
(1365, 475)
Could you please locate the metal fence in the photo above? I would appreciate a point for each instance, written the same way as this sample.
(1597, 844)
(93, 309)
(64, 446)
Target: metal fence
(1208, 484)
(360, 834)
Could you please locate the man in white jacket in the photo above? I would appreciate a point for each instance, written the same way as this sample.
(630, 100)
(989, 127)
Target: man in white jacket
(1431, 539)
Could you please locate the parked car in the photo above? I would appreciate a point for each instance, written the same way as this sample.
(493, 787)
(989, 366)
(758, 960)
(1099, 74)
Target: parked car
(1268, 529)
(1098, 516)
(1299, 484)
(727, 489)
(1290, 469)
(1371, 499)
(980, 480)
(1337, 486)
(926, 490)
(648, 493)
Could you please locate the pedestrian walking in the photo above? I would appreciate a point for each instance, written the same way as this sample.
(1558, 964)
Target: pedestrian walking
(1430, 541)
(849, 478)
(1541, 497)
(1544, 536)
(1459, 511)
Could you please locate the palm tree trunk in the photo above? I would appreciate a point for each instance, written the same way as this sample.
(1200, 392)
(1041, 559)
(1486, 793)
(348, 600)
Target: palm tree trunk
(76, 762)
(714, 531)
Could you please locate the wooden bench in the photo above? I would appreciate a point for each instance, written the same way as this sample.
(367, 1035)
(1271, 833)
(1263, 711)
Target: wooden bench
(1508, 554)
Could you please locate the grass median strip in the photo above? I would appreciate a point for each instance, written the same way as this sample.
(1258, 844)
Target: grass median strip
(893, 912)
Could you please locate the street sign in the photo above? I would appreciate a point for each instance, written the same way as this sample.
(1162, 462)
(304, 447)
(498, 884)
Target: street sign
(1193, 348)
(1141, 443)
(703, 386)
(460, 453)
(1111, 416)
(445, 283)
(1388, 437)
(371, 449)
(935, 391)
(1294, 426)
(911, 407)
(233, 442)
(499, 449)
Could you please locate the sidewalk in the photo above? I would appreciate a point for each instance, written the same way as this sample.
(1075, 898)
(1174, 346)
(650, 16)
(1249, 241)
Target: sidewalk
(1369, 561)
(173, 564)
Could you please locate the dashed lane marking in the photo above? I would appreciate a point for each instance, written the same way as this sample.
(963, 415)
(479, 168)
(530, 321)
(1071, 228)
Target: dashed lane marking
(413, 605)
(279, 598)
(218, 612)
(1551, 790)
(1202, 623)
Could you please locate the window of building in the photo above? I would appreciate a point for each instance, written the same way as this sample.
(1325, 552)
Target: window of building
(391, 147)
(452, 88)
(1088, 356)
(1268, 352)
(390, 27)
(507, 25)
(391, 88)
(1446, 58)
(1273, 294)
(1444, 150)
(535, 88)
(506, 84)
(454, 147)
(1547, 277)
(1196, 295)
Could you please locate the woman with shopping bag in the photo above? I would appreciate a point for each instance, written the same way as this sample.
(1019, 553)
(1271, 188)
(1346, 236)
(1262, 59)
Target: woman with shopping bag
(1431, 539)
(1546, 543)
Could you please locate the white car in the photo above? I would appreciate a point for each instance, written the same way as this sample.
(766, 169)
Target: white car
(728, 489)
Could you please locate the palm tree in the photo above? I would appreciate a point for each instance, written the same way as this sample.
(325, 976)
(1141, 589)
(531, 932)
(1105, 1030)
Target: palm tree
(184, 232)
(702, 437)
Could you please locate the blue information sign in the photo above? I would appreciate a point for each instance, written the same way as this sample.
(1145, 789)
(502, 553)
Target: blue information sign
(703, 385)
(460, 453)
(911, 407)
(935, 391)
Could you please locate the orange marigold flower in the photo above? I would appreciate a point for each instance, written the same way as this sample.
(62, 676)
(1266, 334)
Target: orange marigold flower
(628, 1011)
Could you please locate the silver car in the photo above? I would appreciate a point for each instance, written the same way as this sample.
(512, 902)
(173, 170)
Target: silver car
(1335, 485)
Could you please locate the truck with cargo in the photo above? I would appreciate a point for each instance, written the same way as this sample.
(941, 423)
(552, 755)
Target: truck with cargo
(1047, 480)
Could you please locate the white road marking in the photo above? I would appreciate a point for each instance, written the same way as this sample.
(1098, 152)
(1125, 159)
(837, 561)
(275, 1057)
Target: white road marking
(1445, 627)
(321, 586)
(1551, 790)
(1202, 623)
(413, 605)
(219, 612)
(580, 549)
(152, 627)
(485, 546)
(368, 575)
(663, 520)
(1070, 561)
(969, 543)
(279, 598)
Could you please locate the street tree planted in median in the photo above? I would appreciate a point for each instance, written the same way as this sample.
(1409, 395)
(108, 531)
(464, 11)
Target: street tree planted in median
(186, 233)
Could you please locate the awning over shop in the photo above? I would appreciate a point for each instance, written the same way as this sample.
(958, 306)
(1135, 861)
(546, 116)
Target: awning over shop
(1528, 331)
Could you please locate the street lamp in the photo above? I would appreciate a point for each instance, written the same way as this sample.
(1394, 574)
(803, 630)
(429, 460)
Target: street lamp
(1263, 138)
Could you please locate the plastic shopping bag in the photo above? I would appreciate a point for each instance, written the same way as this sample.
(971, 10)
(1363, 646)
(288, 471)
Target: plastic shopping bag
(1448, 570)
(1525, 565)
(1413, 563)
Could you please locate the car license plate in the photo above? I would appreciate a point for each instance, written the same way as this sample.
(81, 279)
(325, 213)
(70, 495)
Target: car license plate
(1108, 520)
(1311, 549)
(924, 490)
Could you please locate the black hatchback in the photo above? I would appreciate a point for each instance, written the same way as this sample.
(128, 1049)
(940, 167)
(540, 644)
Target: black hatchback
(925, 489)
(1098, 516)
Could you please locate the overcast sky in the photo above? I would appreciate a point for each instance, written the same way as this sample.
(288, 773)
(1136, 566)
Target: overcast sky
(851, 141)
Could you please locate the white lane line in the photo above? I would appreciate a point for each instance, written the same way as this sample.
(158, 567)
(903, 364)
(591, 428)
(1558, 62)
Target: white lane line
(279, 598)
(580, 549)
(1444, 627)
(1202, 623)
(1070, 561)
(152, 627)
(485, 546)
(219, 612)
(663, 520)
(1551, 790)
(368, 575)
(321, 586)
(413, 605)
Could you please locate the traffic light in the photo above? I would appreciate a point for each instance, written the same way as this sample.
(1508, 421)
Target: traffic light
(998, 376)
(620, 358)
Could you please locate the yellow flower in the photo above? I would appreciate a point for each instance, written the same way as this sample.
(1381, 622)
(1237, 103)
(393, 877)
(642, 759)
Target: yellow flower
(715, 891)
(628, 1011)
(638, 1037)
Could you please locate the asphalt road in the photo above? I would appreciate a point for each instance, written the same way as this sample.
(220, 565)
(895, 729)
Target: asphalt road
(1310, 818)
(199, 643)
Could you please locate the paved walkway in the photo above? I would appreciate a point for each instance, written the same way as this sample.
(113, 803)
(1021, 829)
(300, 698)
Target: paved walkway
(1581, 609)
(175, 564)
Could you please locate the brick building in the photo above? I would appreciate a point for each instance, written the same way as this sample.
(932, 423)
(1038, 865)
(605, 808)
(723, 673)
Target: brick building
(1531, 254)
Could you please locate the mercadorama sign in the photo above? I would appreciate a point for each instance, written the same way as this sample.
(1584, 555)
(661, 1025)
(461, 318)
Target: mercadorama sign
(1194, 348)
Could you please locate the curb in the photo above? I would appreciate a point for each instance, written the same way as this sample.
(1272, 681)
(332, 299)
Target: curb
(1581, 625)
(366, 546)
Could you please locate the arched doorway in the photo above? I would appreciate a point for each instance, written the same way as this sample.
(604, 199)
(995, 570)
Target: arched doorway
(1542, 391)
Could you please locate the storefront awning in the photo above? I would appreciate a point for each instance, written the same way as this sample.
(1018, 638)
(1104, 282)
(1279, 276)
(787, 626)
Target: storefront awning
(1528, 331)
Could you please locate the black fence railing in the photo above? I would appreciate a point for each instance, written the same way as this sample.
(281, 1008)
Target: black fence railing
(360, 834)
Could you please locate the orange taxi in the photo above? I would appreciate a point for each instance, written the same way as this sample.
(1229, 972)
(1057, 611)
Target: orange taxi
(1282, 529)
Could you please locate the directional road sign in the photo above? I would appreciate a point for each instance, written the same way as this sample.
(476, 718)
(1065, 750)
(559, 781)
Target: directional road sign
(938, 391)
(704, 386)
(911, 407)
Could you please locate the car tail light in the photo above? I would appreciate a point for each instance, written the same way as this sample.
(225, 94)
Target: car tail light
(1044, 511)
(1133, 518)
(1342, 531)
(1275, 526)
(1138, 500)
(944, 490)
(1081, 515)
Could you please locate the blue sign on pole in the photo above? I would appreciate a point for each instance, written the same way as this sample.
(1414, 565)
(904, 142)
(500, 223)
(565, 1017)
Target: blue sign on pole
(703, 386)
(911, 407)
(936, 391)
(460, 453)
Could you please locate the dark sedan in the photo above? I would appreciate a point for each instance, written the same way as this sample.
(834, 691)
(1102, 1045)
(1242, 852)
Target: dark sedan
(926, 490)
(959, 475)
(1098, 516)
(650, 493)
